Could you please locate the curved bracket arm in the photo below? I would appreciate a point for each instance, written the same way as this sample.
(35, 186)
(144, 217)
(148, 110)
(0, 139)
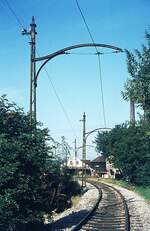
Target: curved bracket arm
(87, 145)
(63, 51)
(88, 133)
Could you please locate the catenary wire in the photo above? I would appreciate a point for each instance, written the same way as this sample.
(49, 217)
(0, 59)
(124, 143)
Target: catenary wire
(87, 27)
(86, 53)
(99, 62)
(58, 97)
(47, 74)
(101, 86)
(14, 14)
(60, 101)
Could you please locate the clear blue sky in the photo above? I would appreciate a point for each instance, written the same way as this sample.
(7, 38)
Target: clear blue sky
(76, 78)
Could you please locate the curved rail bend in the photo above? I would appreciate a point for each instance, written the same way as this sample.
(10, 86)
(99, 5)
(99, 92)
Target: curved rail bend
(110, 215)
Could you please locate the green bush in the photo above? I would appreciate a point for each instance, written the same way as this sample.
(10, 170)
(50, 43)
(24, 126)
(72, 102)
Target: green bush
(128, 147)
(32, 182)
(25, 161)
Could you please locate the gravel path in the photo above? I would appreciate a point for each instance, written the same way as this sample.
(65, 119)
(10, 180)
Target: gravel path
(139, 209)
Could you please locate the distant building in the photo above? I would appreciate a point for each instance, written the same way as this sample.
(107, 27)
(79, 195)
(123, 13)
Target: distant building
(99, 166)
(75, 166)
(74, 163)
(112, 171)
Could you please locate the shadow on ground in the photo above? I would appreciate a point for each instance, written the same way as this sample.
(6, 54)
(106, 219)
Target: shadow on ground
(67, 221)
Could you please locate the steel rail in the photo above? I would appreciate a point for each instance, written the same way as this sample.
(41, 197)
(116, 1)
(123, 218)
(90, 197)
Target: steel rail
(85, 220)
(90, 213)
(125, 206)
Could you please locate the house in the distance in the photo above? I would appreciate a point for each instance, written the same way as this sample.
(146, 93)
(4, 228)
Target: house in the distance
(74, 163)
(112, 171)
(99, 166)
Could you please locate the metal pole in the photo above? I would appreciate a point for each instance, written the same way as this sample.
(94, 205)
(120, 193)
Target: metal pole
(33, 71)
(31, 79)
(84, 146)
(75, 149)
(84, 152)
(32, 33)
(75, 155)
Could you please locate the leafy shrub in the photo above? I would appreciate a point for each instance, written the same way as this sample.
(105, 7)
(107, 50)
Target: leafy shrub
(128, 146)
(31, 180)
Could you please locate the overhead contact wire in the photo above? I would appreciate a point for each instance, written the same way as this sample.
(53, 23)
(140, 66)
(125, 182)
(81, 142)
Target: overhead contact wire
(49, 78)
(99, 62)
(87, 27)
(60, 101)
(14, 13)
(101, 85)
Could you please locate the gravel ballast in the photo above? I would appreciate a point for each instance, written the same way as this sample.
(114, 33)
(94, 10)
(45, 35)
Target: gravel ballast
(85, 205)
(139, 209)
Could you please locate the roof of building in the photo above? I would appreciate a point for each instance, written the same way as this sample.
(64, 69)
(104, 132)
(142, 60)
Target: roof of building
(99, 159)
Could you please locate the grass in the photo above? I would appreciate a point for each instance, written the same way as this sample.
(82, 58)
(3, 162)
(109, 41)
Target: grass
(145, 192)
(141, 190)
(75, 200)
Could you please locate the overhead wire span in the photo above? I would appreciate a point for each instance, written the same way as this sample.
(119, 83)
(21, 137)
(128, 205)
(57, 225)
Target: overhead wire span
(99, 62)
(101, 85)
(14, 13)
(79, 53)
(58, 97)
(87, 27)
(85, 53)
(49, 78)
(60, 101)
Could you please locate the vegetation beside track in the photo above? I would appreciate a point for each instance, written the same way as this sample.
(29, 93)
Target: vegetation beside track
(143, 191)
(33, 180)
(127, 145)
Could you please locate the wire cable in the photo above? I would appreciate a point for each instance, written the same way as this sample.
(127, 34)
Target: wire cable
(87, 27)
(49, 78)
(85, 53)
(60, 101)
(99, 62)
(14, 14)
(58, 97)
(101, 85)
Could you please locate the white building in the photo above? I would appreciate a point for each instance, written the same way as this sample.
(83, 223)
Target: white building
(74, 163)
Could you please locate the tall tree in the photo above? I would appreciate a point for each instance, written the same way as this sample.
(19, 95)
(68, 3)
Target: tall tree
(137, 88)
(128, 146)
(31, 178)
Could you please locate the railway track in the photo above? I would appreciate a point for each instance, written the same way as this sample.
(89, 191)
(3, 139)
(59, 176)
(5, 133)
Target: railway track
(110, 213)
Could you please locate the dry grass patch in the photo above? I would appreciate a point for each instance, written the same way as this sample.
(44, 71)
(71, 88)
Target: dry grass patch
(75, 200)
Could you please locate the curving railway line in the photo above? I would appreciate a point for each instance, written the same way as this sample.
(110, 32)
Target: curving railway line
(110, 213)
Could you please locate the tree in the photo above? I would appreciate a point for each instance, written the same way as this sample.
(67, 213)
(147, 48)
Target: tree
(65, 150)
(137, 88)
(25, 160)
(129, 148)
(32, 181)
